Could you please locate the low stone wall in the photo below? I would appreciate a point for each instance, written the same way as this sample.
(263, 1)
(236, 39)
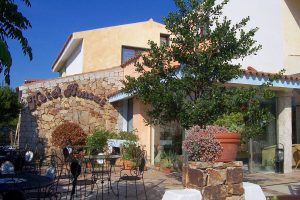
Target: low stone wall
(222, 181)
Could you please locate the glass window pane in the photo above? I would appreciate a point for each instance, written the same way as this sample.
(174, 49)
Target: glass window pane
(130, 115)
(127, 53)
(164, 39)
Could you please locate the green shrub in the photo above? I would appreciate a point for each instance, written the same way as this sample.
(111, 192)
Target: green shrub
(131, 151)
(166, 163)
(234, 122)
(168, 159)
(97, 141)
(131, 136)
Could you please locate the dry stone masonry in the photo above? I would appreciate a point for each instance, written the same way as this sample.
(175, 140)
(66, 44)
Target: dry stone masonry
(80, 98)
(222, 181)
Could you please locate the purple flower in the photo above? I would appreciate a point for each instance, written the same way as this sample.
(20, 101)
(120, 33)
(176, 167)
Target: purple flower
(201, 145)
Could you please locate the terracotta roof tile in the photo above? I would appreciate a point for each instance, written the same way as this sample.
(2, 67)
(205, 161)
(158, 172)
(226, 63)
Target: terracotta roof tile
(114, 93)
(32, 81)
(249, 71)
(252, 71)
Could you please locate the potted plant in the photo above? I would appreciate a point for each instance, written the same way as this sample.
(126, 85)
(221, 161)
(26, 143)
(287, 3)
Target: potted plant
(97, 141)
(230, 138)
(167, 162)
(131, 154)
(166, 166)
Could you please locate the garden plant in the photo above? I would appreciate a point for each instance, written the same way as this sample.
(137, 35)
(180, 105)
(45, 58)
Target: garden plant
(68, 134)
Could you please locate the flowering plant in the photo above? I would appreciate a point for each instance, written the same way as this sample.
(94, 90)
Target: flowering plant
(201, 145)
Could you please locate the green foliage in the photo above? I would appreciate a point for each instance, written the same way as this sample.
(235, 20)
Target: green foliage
(269, 162)
(193, 93)
(272, 198)
(254, 104)
(12, 23)
(125, 135)
(234, 122)
(9, 106)
(131, 151)
(168, 159)
(166, 163)
(97, 141)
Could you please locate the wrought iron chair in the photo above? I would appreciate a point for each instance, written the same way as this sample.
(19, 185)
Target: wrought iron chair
(81, 179)
(67, 160)
(30, 164)
(134, 174)
(75, 169)
(50, 166)
(101, 169)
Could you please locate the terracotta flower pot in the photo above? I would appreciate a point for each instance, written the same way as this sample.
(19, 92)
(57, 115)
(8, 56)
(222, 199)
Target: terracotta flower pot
(230, 143)
(127, 164)
(166, 170)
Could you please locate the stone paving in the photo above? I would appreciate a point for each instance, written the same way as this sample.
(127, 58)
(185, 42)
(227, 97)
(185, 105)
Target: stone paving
(277, 184)
(157, 183)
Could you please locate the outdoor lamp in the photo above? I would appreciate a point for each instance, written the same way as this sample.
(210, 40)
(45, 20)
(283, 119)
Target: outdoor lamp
(279, 158)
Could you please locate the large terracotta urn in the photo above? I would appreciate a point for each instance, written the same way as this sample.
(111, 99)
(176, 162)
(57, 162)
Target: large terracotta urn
(230, 143)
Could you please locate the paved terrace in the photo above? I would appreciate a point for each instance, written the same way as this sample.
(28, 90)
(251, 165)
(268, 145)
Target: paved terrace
(157, 182)
(277, 184)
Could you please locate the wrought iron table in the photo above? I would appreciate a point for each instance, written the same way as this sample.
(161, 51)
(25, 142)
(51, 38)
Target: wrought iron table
(102, 169)
(23, 181)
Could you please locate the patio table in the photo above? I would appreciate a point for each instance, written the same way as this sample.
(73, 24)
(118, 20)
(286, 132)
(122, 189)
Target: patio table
(111, 158)
(253, 191)
(182, 194)
(23, 181)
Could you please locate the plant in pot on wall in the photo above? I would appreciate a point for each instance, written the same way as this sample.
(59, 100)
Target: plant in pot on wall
(201, 145)
(229, 136)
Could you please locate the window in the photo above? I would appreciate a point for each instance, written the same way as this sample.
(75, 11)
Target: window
(164, 39)
(127, 115)
(130, 52)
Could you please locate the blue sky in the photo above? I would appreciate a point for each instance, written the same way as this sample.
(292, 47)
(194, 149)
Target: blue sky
(53, 20)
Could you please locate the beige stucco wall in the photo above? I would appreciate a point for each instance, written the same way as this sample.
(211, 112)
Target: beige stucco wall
(102, 47)
(143, 131)
(129, 70)
(291, 35)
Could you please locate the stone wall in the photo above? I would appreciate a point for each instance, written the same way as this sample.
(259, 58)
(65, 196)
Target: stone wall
(222, 181)
(49, 103)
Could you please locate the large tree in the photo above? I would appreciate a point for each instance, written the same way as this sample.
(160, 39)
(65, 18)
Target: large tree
(12, 23)
(9, 106)
(205, 43)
